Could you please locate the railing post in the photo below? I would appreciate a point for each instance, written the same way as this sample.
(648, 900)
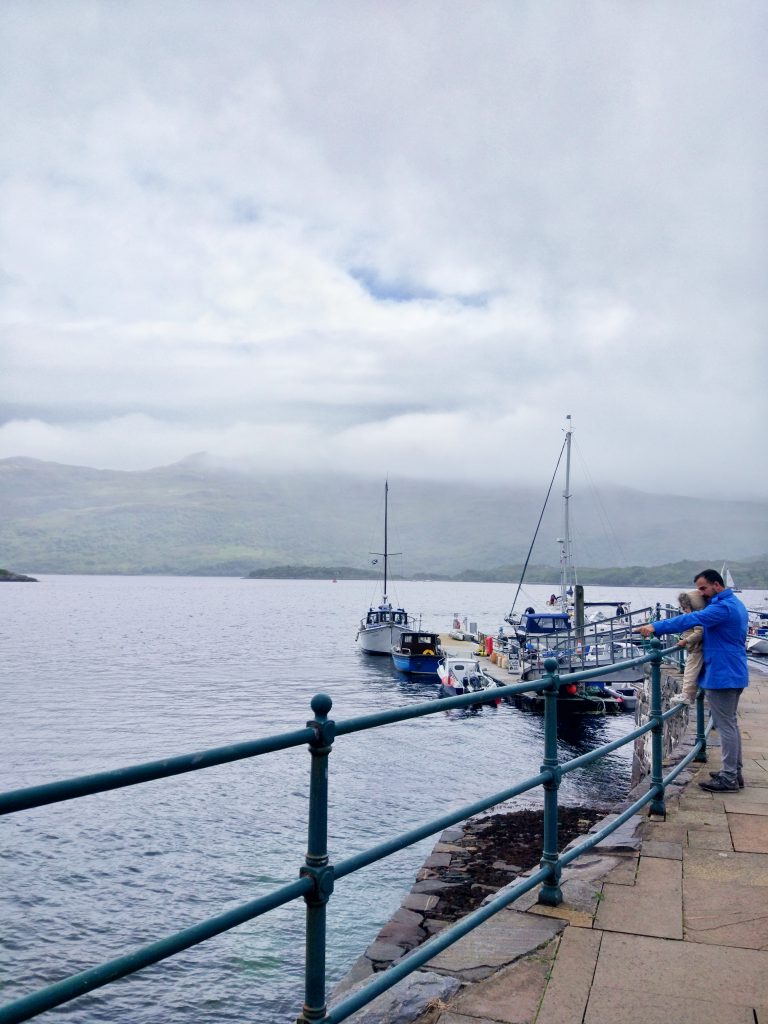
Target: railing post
(701, 736)
(657, 735)
(316, 864)
(550, 893)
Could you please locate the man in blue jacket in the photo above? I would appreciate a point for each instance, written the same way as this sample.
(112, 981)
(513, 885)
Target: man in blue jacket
(725, 672)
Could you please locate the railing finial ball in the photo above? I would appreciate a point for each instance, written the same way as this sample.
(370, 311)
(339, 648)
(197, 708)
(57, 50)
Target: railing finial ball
(550, 664)
(321, 704)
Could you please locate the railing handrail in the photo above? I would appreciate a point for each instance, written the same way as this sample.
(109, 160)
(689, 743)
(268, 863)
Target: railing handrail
(317, 876)
(78, 786)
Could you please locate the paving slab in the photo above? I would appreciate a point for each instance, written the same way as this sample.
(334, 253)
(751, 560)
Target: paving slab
(713, 816)
(580, 900)
(670, 831)
(698, 800)
(749, 832)
(567, 992)
(624, 873)
(513, 994)
(720, 866)
(497, 942)
(679, 970)
(653, 906)
(710, 839)
(754, 794)
(668, 851)
(726, 914)
(744, 803)
(609, 1006)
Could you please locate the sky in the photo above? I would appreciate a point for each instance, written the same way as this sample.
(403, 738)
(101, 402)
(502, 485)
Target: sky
(401, 238)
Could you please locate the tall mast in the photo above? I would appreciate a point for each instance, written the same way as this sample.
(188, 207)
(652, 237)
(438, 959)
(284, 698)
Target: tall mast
(386, 500)
(566, 570)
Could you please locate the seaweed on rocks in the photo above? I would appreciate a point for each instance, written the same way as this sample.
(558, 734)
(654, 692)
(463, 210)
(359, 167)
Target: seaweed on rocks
(494, 850)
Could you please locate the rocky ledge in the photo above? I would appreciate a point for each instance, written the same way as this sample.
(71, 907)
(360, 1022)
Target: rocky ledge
(467, 864)
(470, 865)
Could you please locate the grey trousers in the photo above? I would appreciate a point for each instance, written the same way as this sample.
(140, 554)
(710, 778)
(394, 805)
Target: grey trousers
(724, 706)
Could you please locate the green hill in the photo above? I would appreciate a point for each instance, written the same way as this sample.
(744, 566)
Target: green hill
(196, 517)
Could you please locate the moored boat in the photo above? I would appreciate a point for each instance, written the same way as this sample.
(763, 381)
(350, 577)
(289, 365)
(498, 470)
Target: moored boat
(757, 634)
(592, 698)
(564, 633)
(463, 675)
(418, 653)
(383, 625)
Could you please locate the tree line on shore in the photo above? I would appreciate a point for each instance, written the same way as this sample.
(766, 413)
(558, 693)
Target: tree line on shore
(749, 575)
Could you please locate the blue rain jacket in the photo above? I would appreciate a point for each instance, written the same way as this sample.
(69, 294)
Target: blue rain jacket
(725, 636)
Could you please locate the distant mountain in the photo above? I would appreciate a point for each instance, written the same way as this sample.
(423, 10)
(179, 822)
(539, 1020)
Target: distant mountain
(197, 517)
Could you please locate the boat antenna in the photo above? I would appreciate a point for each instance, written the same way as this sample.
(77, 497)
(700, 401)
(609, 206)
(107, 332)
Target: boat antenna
(535, 534)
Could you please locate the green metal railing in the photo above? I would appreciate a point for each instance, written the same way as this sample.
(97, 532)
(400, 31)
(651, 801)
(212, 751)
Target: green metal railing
(317, 876)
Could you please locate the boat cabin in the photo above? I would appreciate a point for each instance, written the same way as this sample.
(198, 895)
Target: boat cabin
(545, 623)
(419, 643)
(386, 614)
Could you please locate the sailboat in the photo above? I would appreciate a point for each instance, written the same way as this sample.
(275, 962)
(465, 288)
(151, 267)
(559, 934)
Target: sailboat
(563, 632)
(728, 579)
(560, 605)
(382, 626)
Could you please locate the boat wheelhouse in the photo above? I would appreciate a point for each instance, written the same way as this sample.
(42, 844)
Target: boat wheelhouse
(544, 624)
(418, 654)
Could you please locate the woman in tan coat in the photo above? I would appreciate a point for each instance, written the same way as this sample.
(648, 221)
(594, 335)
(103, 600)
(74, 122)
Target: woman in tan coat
(692, 641)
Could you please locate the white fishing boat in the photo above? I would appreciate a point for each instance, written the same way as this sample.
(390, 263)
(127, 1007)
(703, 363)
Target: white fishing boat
(383, 625)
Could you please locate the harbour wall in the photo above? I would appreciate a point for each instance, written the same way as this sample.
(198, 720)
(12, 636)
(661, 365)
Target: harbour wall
(414, 921)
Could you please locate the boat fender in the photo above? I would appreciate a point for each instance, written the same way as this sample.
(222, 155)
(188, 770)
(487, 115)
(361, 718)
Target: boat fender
(429, 652)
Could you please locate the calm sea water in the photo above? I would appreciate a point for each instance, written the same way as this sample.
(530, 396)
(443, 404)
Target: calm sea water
(101, 672)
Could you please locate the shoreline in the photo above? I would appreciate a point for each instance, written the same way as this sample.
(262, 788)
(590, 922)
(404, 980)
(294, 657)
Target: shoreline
(469, 863)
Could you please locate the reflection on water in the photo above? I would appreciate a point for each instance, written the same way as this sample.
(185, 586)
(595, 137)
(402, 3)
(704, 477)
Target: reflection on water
(105, 671)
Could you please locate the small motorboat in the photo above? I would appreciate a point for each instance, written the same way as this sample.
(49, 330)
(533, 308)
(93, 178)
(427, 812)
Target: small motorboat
(757, 635)
(463, 675)
(417, 653)
(757, 645)
(590, 698)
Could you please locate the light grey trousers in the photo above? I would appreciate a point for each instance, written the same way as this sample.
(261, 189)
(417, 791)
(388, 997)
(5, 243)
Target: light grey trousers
(724, 706)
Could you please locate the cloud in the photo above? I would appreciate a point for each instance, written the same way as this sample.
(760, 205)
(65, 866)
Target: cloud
(345, 234)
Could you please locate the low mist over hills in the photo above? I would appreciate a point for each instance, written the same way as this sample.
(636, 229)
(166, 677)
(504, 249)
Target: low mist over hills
(198, 517)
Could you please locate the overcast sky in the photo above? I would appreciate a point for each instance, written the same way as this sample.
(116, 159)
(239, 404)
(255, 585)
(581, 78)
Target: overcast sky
(388, 236)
